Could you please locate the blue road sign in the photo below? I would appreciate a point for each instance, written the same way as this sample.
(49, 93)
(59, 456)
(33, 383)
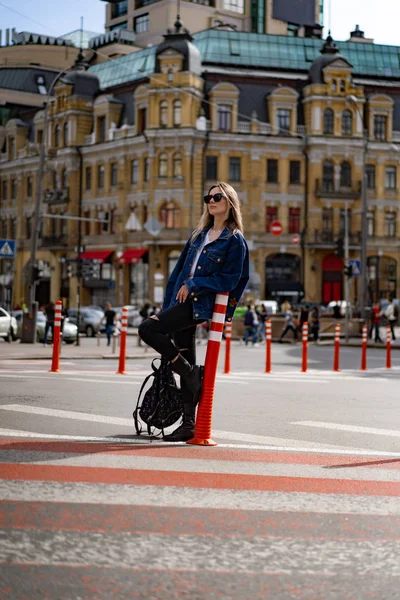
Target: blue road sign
(356, 265)
(7, 248)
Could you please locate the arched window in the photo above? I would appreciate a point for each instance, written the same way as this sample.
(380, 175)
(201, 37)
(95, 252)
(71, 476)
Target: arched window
(64, 179)
(177, 113)
(65, 134)
(57, 135)
(170, 216)
(327, 176)
(164, 113)
(345, 175)
(328, 121)
(163, 165)
(177, 166)
(347, 122)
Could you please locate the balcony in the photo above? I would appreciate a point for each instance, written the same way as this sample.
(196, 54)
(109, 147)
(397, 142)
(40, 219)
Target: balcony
(54, 241)
(326, 189)
(327, 238)
(60, 196)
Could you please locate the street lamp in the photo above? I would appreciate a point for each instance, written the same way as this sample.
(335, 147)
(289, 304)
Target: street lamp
(364, 222)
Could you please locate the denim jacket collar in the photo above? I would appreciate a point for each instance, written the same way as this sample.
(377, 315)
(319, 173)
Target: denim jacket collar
(226, 233)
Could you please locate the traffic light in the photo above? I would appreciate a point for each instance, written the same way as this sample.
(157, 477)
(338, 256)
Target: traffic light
(348, 270)
(339, 247)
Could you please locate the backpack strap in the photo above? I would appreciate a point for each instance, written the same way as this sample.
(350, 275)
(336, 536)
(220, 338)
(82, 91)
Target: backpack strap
(138, 427)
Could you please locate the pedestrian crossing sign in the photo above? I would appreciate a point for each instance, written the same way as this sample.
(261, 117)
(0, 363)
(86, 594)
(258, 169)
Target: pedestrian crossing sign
(7, 248)
(356, 267)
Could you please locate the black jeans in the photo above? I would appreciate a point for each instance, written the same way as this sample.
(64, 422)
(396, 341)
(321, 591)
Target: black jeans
(177, 322)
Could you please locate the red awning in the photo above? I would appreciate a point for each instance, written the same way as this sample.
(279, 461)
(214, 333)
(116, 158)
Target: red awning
(99, 255)
(133, 255)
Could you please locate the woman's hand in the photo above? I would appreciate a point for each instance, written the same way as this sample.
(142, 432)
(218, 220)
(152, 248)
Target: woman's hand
(182, 294)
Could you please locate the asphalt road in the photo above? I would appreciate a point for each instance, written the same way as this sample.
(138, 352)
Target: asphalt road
(300, 499)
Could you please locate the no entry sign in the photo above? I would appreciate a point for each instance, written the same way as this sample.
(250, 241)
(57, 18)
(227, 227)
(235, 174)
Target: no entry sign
(276, 228)
(296, 239)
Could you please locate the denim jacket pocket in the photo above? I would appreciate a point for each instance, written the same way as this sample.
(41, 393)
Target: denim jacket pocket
(214, 261)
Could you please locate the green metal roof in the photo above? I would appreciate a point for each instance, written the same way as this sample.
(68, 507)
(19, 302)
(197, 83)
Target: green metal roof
(254, 50)
(75, 37)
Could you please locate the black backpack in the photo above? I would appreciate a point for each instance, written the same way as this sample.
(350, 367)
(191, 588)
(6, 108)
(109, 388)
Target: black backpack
(161, 406)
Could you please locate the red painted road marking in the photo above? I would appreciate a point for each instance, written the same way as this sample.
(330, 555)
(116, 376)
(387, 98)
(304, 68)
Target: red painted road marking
(24, 472)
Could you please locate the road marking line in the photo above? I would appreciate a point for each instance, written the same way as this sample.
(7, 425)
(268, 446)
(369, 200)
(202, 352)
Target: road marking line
(352, 428)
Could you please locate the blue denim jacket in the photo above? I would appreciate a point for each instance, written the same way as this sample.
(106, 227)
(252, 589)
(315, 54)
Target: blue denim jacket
(223, 266)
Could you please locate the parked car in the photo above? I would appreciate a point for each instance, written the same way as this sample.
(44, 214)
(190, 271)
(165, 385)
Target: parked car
(89, 320)
(69, 333)
(134, 318)
(8, 326)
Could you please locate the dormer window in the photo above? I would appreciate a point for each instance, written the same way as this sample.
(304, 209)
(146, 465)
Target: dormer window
(342, 85)
(177, 113)
(283, 121)
(224, 117)
(164, 113)
(170, 76)
(380, 124)
(101, 128)
(328, 121)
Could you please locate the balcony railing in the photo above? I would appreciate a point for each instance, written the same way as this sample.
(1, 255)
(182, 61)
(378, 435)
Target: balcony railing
(60, 196)
(329, 237)
(327, 189)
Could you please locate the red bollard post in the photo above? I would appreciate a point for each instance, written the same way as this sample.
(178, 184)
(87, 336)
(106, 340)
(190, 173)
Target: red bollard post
(228, 337)
(337, 348)
(304, 361)
(55, 362)
(364, 349)
(388, 348)
(202, 431)
(122, 348)
(268, 339)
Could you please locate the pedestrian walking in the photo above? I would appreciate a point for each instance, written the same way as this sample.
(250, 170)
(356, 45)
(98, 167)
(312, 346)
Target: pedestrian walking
(315, 324)
(215, 259)
(50, 314)
(110, 316)
(390, 314)
(285, 306)
(376, 321)
(304, 315)
(289, 324)
(250, 325)
(262, 315)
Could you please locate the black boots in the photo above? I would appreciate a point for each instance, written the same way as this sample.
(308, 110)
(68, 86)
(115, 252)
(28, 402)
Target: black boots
(185, 431)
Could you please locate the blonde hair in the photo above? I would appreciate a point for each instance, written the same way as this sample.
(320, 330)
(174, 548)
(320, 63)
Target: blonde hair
(234, 218)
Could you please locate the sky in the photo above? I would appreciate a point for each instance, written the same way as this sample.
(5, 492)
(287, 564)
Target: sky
(379, 20)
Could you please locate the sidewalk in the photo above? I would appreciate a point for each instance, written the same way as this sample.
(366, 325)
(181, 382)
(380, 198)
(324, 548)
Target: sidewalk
(89, 348)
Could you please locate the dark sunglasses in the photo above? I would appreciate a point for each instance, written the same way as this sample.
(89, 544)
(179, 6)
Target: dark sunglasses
(216, 197)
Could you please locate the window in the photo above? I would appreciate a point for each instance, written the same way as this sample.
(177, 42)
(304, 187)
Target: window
(380, 122)
(272, 170)
(294, 172)
(57, 134)
(141, 24)
(347, 122)
(11, 148)
(328, 121)
(134, 171)
(327, 176)
(13, 189)
(236, 6)
(370, 172)
(146, 170)
(177, 113)
(170, 216)
(29, 186)
(212, 168)
(114, 174)
(234, 169)
(342, 85)
(4, 190)
(64, 226)
(271, 215)
(142, 117)
(65, 134)
(41, 84)
(390, 224)
(370, 224)
(64, 179)
(100, 176)
(327, 221)
(224, 113)
(88, 178)
(164, 113)
(390, 179)
(163, 165)
(334, 86)
(13, 229)
(345, 175)
(283, 118)
(101, 124)
(3, 228)
(118, 9)
(294, 220)
(123, 25)
(177, 166)
(28, 228)
(342, 217)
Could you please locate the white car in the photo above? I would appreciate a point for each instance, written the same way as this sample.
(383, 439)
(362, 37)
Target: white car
(8, 326)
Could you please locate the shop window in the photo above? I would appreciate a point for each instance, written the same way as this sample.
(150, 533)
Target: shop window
(380, 124)
(234, 168)
(272, 170)
(345, 174)
(163, 165)
(347, 122)
(294, 172)
(170, 216)
(370, 172)
(328, 121)
(271, 215)
(327, 176)
(212, 168)
(294, 220)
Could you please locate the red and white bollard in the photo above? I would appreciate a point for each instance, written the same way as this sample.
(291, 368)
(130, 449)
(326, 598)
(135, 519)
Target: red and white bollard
(228, 337)
(55, 362)
(268, 340)
(337, 348)
(388, 348)
(304, 362)
(122, 347)
(364, 349)
(202, 431)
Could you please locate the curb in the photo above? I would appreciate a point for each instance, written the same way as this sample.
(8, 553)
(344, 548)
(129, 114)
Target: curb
(94, 357)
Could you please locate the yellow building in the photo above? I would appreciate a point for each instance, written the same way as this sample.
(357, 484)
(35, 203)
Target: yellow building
(134, 143)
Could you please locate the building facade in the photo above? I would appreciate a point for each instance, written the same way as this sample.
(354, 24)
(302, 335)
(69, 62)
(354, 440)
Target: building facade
(134, 143)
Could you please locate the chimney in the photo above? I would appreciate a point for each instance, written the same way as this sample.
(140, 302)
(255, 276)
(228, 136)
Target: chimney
(358, 36)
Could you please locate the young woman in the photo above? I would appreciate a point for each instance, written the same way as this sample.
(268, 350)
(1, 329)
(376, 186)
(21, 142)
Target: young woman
(215, 259)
